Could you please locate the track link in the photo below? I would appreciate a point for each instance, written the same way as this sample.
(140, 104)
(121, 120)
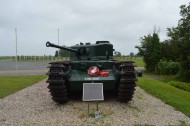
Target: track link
(126, 80)
(57, 79)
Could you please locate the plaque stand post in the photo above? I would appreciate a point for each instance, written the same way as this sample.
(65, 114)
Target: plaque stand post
(88, 108)
(97, 109)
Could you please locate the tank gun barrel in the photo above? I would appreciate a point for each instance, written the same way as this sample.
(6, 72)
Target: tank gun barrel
(48, 44)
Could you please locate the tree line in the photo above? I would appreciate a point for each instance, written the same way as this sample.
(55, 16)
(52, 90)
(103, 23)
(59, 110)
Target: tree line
(172, 55)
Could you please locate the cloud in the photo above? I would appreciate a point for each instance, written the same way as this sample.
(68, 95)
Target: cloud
(121, 22)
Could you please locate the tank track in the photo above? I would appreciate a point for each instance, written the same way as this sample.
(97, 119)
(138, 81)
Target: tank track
(126, 80)
(57, 80)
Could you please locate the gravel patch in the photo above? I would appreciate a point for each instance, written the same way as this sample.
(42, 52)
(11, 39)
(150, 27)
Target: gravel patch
(33, 106)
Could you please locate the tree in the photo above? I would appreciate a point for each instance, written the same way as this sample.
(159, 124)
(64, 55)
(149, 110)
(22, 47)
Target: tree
(180, 38)
(63, 53)
(56, 53)
(168, 51)
(131, 54)
(116, 53)
(150, 50)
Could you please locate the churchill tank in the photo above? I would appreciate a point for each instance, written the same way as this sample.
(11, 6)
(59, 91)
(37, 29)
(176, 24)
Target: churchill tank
(90, 63)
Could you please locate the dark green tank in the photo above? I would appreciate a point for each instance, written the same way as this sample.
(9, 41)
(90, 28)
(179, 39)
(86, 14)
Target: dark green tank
(90, 63)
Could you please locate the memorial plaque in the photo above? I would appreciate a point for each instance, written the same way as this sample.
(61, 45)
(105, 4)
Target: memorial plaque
(93, 92)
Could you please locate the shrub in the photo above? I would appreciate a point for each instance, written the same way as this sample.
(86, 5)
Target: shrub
(180, 85)
(167, 67)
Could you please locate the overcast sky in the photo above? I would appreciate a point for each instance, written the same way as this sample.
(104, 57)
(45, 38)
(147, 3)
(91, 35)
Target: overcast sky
(122, 22)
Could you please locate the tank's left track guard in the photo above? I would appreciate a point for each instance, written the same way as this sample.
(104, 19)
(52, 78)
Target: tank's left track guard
(126, 80)
(57, 79)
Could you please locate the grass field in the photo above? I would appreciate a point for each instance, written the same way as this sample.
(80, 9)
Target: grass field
(138, 60)
(11, 84)
(5, 57)
(171, 95)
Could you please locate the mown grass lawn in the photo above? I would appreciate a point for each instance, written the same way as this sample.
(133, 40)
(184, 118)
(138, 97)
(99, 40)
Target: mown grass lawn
(5, 57)
(11, 84)
(138, 60)
(171, 95)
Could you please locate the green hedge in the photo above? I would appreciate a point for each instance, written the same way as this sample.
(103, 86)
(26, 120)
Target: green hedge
(167, 67)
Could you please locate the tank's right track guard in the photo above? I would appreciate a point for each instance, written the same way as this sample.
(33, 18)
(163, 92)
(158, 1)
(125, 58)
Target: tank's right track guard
(57, 79)
(126, 80)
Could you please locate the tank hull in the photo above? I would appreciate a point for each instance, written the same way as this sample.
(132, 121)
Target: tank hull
(67, 77)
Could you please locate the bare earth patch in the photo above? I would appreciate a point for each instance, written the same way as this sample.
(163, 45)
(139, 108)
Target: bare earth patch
(33, 106)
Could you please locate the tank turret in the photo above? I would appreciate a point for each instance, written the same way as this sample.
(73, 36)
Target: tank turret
(102, 50)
